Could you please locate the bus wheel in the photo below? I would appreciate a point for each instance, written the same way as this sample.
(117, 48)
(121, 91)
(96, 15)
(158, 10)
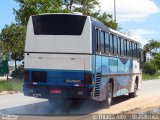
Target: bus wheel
(134, 94)
(109, 94)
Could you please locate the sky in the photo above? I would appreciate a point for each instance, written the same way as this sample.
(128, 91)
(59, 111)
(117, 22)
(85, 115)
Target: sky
(137, 18)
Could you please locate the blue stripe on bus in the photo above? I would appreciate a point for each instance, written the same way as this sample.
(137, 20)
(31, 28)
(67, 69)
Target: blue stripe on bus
(111, 65)
(106, 65)
(58, 77)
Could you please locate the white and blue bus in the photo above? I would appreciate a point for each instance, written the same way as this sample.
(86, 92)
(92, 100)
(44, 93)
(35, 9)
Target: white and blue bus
(77, 56)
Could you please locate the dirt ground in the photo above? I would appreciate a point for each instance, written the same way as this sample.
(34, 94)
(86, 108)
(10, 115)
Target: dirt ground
(139, 104)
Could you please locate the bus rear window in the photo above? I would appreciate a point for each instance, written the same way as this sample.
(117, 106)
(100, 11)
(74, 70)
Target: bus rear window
(58, 24)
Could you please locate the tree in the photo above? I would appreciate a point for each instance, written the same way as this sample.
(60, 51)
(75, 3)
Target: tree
(106, 19)
(34, 7)
(1, 50)
(153, 64)
(87, 7)
(84, 6)
(12, 41)
(157, 60)
(150, 67)
(152, 47)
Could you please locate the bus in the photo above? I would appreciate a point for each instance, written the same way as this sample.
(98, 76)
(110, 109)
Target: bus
(77, 56)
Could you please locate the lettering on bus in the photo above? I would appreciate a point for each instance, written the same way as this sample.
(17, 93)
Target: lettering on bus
(113, 62)
(72, 81)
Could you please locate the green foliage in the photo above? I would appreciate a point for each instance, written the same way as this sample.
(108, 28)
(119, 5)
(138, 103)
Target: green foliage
(18, 73)
(157, 60)
(106, 19)
(152, 47)
(87, 7)
(84, 6)
(1, 50)
(150, 68)
(34, 7)
(12, 85)
(12, 40)
(150, 77)
(153, 64)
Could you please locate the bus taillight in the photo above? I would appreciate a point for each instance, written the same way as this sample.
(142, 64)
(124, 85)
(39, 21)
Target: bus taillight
(88, 78)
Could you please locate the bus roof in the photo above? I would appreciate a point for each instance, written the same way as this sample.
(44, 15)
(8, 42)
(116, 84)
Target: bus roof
(74, 13)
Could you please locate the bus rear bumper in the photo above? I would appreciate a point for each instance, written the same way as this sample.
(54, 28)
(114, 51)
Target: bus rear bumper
(51, 91)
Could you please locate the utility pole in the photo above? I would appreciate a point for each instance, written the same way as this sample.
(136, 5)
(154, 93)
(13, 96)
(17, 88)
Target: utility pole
(115, 10)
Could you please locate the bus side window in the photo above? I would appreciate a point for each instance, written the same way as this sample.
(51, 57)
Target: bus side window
(125, 46)
(102, 42)
(115, 44)
(119, 45)
(98, 45)
(111, 44)
(139, 52)
(134, 50)
(137, 56)
(106, 42)
(122, 47)
(128, 49)
(130, 46)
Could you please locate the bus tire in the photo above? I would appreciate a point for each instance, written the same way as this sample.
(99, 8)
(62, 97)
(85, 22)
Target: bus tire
(109, 95)
(134, 94)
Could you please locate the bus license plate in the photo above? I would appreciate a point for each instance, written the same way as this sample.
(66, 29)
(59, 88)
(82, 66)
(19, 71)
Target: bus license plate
(55, 91)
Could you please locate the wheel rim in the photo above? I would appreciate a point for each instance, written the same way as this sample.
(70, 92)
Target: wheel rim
(109, 99)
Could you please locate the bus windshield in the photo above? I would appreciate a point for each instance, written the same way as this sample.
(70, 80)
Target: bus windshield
(58, 24)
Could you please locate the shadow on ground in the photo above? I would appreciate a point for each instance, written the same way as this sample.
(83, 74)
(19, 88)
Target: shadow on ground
(60, 108)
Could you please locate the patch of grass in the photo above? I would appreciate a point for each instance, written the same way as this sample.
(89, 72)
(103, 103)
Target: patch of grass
(150, 77)
(11, 85)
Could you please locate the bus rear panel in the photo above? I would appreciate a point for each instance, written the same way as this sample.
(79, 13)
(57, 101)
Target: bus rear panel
(57, 56)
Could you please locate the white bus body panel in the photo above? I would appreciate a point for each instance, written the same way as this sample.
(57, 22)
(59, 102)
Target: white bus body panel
(58, 61)
(40, 45)
(59, 43)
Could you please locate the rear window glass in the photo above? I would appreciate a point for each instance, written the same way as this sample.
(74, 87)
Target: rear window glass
(58, 24)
